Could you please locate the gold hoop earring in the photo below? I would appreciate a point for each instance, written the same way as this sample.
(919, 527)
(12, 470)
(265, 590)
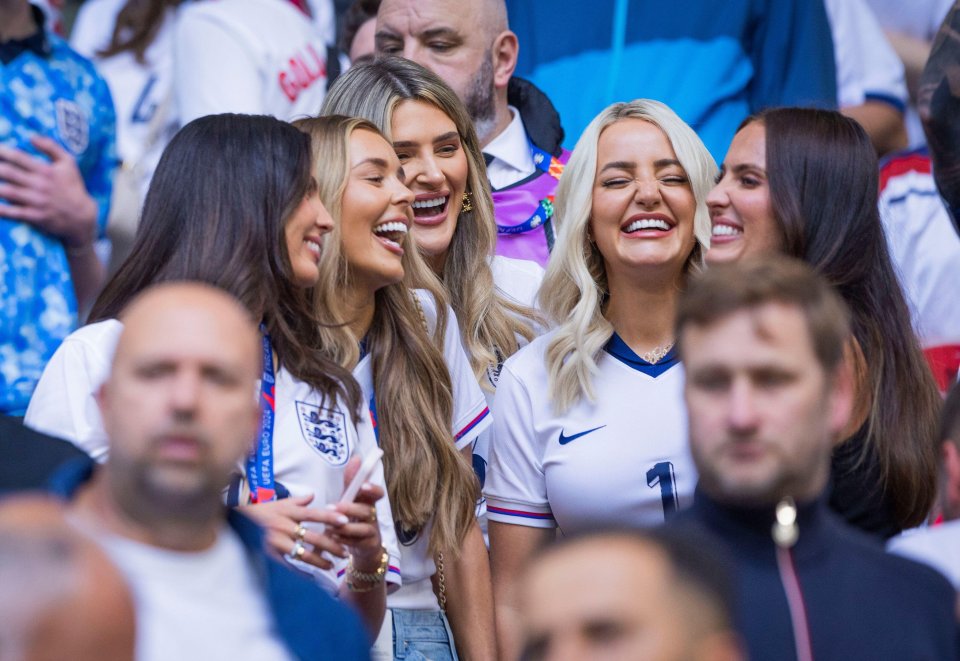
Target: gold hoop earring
(467, 203)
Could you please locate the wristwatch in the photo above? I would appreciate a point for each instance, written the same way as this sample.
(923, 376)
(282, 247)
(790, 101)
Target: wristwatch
(369, 579)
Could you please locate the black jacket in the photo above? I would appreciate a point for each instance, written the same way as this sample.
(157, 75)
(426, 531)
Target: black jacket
(860, 602)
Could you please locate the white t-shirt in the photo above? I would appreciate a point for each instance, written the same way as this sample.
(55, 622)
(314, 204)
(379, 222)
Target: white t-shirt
(917, 18)
(470, 417)
(63, 405)
(924, 247)
(920, 19)
(937, 546)
(203, 605)
(248, 56)
(622, 461)
(139, 90)
(868, 69)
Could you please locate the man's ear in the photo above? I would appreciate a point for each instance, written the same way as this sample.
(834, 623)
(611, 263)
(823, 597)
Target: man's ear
(504, 52)
(101, 396)
(950, 459)
(841, 398)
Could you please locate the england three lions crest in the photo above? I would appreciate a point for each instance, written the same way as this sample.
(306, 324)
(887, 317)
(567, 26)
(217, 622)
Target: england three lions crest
(72, 126)
(325, 431)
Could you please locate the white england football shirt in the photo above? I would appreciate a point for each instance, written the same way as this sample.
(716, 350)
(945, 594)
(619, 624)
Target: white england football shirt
(924, 247)
(470, 417)
(63, 405)
(139, 89)
(621, 461)
(518, 280)
(248, 56)
(868, 69)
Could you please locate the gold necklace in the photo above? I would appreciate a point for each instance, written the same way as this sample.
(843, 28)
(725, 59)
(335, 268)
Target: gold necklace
(656, 354)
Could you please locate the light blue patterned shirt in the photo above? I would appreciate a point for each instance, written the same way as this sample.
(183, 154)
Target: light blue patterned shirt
(58, 94)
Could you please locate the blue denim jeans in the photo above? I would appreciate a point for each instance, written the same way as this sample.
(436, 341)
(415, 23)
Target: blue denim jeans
(421, 635)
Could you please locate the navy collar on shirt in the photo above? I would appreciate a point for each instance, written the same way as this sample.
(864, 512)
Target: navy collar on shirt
(619, 349)
(37, 42)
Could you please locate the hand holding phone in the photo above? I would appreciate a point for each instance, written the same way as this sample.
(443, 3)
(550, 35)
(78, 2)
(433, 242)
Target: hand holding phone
(363, 475)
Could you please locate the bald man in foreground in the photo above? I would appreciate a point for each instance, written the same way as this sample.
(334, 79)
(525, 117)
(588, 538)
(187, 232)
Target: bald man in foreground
(180, 410)
(60, 597)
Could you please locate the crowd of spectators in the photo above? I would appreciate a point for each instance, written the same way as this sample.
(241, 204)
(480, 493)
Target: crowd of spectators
(479, 329)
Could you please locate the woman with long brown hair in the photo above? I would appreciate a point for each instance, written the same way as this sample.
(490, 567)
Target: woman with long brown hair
(421, 391)
(234, 204)
(803, 183)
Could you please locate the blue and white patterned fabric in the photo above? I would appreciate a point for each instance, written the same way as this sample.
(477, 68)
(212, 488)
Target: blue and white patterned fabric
(46, 89)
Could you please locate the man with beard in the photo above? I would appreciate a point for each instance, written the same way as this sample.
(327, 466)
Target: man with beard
(470, 46)
(181, 411)
(768, 391)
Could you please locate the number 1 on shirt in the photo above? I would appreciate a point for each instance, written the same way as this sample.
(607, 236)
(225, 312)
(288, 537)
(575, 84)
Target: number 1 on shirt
(662, 474)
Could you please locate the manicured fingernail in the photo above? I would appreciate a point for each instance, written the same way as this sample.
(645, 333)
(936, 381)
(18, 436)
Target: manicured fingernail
(342, 519)
(366, 487)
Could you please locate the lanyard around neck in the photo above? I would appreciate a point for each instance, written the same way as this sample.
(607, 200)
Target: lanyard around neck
(260, 461)
(543, 214)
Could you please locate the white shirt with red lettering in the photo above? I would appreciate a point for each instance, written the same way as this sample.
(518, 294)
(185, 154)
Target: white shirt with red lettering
(923, 245)
(262, 57)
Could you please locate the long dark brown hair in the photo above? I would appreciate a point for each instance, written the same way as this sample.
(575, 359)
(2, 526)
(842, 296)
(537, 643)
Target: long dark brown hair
(216, 212)
(823, 177)
(136, 26)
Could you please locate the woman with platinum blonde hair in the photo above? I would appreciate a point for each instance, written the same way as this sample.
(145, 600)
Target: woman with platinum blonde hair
(425, 402)
(589, 423)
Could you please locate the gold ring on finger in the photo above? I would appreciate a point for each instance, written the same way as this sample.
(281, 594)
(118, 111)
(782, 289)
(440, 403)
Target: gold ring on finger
(301, 531)
(373, 515)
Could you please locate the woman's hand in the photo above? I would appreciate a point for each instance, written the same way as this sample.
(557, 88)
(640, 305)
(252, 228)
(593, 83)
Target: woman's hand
(284, 522)
(362, 533)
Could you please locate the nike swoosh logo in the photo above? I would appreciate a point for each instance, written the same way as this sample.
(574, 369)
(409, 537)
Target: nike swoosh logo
(566, 439)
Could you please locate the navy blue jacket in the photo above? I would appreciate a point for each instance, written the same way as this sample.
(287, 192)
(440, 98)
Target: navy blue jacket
(861, 603)
(313, 624)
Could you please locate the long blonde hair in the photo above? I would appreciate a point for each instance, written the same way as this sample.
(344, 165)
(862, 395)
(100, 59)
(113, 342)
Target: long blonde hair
(426, 476)
(575, 286)
(489, 322)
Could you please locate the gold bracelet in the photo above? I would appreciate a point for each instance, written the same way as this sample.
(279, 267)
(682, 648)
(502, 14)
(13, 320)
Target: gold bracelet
(371, 579)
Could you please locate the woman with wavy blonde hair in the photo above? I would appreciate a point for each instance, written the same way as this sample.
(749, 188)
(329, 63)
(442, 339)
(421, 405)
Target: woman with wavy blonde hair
(453, 217)
(589, 424)
(423, 398)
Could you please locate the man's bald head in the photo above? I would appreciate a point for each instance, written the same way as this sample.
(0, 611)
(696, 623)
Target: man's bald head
(492, 16)
(468, 44)
(180, 405)
(166, 308)
(60, 597)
